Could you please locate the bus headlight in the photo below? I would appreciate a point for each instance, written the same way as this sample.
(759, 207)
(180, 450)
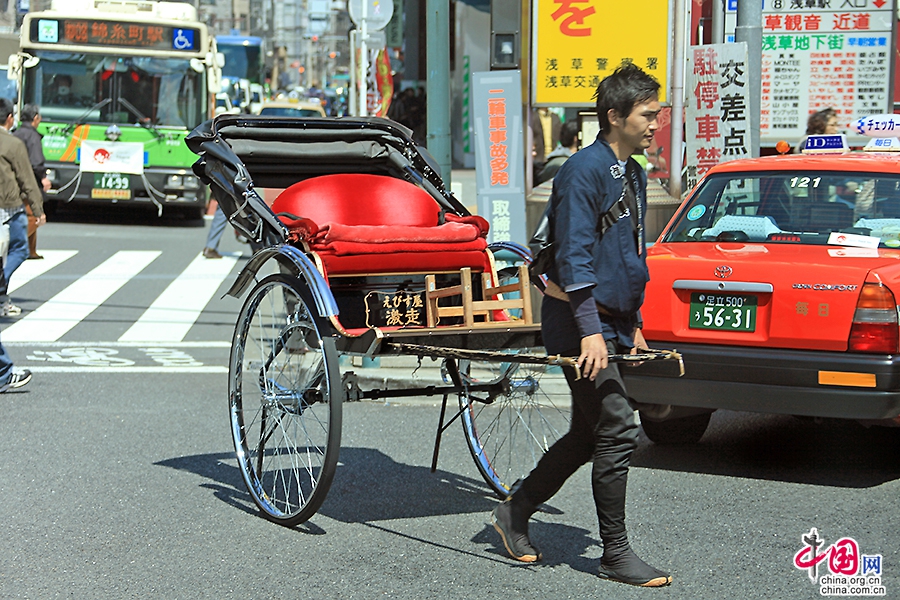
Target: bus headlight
(175, 181)
(52, 175)
(191, 183)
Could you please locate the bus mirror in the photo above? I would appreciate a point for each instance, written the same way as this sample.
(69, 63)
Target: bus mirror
(31, 62)
(197, 65)
(217, 59)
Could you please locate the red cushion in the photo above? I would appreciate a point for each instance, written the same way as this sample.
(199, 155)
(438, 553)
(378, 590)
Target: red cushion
(359, 199)
(405, 262)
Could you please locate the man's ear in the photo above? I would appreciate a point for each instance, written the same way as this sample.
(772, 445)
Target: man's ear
(613, 117)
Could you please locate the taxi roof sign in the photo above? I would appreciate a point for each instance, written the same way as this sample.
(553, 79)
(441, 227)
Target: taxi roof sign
(823, 144)
(886, 144)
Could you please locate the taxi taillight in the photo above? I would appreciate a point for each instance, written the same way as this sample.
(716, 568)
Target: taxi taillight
(875, 327)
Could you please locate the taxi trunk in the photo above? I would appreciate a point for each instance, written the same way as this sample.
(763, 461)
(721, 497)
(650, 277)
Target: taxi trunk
(729, 293)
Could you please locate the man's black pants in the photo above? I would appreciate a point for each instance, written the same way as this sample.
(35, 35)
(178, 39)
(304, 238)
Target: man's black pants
(604, 431)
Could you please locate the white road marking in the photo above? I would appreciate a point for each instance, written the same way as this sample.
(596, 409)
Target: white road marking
(176, 310)
(31, 269)
(57, 316)
(155, 369)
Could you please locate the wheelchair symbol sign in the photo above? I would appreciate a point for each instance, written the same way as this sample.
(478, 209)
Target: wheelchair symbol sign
(183, 39)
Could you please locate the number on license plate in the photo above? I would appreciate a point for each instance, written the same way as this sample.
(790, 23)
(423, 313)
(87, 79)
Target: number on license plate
(724, 312)
(111, 185)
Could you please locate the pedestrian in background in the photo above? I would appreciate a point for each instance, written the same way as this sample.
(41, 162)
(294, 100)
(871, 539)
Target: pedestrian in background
(545, 127)
(28, 133)
(568, 145)
(216, 229)
(823, 122)
(17, 183)
(591, 309)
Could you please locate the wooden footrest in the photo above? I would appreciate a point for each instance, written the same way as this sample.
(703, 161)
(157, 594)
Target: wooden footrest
(492, 309)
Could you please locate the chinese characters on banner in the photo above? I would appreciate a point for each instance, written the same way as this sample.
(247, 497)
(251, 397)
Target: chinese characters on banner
(499, 157)
(717, 123)
(823, 53)
(579, 42)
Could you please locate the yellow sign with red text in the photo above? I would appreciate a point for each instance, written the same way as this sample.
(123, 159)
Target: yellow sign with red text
(577, 43)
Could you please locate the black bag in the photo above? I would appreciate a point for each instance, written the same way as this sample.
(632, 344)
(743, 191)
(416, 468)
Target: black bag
(542, 245)
(542, 248)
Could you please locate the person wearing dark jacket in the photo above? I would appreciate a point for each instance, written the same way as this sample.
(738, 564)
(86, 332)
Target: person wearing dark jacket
(28, 133)
(568, 145)
(590, 310)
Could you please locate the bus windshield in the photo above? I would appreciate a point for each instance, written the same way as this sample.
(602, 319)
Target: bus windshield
(97, 88)
(243, 57)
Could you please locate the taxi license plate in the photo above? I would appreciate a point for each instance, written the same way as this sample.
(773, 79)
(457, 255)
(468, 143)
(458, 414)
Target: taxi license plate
(111, 186)
(723, 312)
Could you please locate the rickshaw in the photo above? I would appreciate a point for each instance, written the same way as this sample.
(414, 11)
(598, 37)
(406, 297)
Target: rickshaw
(365, 253)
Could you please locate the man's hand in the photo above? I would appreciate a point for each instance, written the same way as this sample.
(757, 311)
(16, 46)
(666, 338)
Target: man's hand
(45, 183)
(41, 220)
(640, 344)
(593, 355)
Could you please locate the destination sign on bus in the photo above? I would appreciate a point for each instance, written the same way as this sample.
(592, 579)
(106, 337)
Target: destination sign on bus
(116, 34)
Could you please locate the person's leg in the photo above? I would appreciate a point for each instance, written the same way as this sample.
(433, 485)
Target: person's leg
(216, 229)
(616, 434)
(6, 366)
(32, 234)
(18, 244)
(561, 460)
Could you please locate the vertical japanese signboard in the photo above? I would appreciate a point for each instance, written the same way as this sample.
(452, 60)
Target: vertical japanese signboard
(717, 123)
(824, 53)
(499, 157)
(576, 43)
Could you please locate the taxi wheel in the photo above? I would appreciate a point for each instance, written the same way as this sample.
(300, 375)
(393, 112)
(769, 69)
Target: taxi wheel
(686, 430)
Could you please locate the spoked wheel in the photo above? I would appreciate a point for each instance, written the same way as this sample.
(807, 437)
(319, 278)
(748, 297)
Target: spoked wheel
(285, 400)
(511, 414)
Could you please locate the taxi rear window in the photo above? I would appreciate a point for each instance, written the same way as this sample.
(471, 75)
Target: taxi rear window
(791, 207)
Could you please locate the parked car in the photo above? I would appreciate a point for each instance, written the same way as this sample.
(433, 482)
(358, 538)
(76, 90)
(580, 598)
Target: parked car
(778, 280)
(224, 105)
(287, 108)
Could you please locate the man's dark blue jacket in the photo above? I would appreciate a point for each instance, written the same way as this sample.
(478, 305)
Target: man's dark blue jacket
(587, 185)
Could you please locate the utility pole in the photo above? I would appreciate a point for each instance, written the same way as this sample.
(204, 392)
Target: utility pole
(677, 99)
(749, 30)
(437, 86)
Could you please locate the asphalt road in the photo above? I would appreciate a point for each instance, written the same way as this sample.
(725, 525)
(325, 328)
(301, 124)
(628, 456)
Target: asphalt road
(120, 482)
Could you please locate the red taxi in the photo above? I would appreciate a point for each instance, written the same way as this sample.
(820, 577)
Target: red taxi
(778, 280)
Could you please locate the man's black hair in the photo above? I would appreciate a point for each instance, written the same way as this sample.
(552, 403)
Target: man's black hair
(6, 109)
(29, 112)
(568, 133)
(627, 86)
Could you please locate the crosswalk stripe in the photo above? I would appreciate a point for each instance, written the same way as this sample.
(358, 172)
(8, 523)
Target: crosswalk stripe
(64, 311)
(31, 269)
(174, 312)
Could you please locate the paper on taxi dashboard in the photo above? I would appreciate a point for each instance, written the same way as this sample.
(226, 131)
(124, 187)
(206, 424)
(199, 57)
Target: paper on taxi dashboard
(838, 238)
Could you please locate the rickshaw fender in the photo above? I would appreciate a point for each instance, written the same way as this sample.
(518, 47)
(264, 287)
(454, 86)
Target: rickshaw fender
(296, 261)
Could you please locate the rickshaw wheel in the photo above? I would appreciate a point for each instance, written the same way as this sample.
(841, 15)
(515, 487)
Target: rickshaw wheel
(285, 400)
(510, 426)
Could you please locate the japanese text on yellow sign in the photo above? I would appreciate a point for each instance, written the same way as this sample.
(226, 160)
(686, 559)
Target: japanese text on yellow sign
(579, 42)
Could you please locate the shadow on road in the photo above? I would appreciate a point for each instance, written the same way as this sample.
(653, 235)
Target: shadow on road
(784, 448)
(144, 214)
(368, 486)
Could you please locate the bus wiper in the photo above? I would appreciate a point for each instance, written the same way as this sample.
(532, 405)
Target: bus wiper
(83, 116)
(143, 120)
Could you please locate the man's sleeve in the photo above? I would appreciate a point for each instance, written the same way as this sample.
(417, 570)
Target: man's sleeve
(575, 227)
(30, 192)
(36, 156)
